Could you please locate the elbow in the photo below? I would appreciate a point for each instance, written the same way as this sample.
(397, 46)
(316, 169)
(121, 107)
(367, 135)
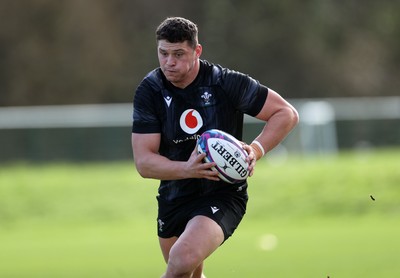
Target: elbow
(293, 117)
(143, 173)
(142, 169)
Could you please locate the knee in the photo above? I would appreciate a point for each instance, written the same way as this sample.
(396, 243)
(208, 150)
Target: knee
(183, 261)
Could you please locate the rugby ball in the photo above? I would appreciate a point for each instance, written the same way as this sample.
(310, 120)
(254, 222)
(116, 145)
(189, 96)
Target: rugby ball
(227, 152)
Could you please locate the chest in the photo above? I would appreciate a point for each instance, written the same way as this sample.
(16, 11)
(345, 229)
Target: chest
(186, 114)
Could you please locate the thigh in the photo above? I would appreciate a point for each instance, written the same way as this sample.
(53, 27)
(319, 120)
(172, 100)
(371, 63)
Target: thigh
(201, 237)
(166, 245)
(226, 209)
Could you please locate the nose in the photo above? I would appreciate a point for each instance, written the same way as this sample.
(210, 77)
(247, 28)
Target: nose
(171, 61)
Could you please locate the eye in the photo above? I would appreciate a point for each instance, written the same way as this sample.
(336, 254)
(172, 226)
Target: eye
(178, 54)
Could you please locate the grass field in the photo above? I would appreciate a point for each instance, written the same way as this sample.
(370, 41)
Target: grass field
(307, 217)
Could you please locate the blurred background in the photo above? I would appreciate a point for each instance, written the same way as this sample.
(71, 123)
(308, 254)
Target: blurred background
(325, 201)
(337, 62)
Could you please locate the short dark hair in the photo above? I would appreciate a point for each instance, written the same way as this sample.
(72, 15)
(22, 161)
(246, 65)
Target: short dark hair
(178, 29)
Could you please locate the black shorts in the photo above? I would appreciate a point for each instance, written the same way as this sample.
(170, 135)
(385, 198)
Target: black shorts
(225, 208)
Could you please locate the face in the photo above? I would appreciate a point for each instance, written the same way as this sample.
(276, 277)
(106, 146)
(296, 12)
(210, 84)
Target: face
(179, 62)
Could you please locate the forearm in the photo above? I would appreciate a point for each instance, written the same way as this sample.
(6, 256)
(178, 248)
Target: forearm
(150, 164)
(277, 128)
(156, 166)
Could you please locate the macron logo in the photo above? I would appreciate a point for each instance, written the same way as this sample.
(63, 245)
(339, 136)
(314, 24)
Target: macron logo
(168, 100)
(214, 209)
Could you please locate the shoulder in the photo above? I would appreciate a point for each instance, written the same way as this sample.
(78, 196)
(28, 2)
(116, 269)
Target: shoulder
(222, 75)
(148, 91)
(152, 81)
(212, 73)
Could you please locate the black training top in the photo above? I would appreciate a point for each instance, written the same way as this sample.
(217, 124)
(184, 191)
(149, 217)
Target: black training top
(217, 98)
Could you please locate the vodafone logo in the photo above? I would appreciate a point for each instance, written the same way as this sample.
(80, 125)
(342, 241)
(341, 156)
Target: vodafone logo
(191, 121)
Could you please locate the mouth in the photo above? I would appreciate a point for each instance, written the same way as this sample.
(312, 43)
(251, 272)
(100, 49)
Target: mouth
(170, 73)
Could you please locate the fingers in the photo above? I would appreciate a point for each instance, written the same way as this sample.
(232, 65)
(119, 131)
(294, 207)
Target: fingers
(200, 168)
(251, 158)
(211, 175)
(207, 172)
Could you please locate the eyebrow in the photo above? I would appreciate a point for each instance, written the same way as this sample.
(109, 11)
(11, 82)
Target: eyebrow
(175, 50)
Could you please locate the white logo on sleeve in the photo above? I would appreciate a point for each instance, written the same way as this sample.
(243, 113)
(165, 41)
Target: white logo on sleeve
(190, 121)
(214, 209)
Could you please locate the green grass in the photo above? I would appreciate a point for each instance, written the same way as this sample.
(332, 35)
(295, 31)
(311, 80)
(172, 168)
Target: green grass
(334, 247)
(320, 248)
(98, 220)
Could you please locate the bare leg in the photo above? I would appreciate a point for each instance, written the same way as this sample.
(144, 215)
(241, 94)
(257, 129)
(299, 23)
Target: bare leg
(185, 255)
(166, 244)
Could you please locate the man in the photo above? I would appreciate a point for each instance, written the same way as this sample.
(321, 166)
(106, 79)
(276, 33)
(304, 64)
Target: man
(173, 105)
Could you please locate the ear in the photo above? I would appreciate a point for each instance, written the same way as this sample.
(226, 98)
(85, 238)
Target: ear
(198, 50)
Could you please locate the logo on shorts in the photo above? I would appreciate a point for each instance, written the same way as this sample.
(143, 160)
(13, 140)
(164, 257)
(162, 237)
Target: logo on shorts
(160, 225)
(214, 209)
(191, 121)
